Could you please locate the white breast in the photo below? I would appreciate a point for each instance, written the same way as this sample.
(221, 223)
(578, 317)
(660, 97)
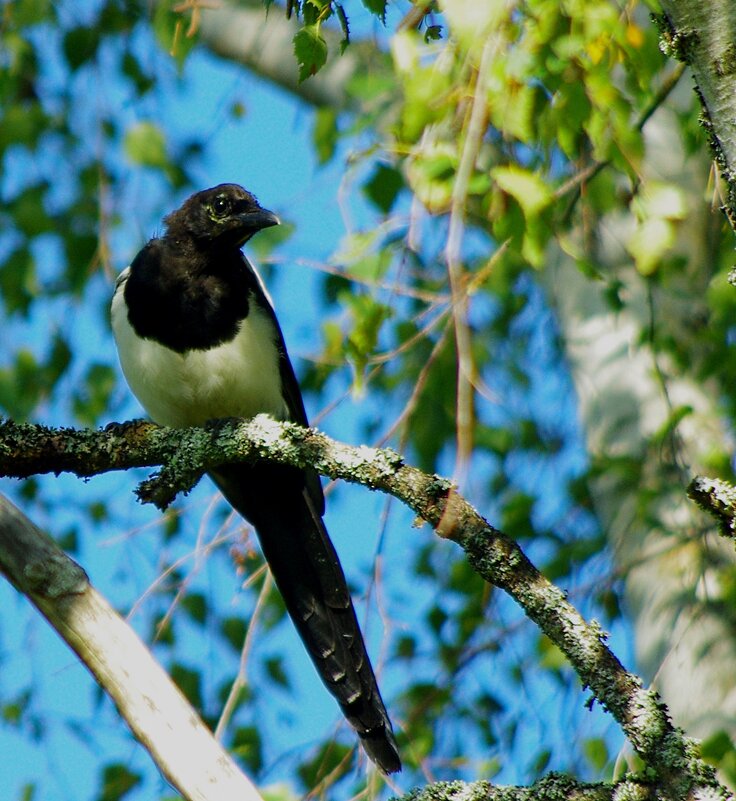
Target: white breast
(237, 379)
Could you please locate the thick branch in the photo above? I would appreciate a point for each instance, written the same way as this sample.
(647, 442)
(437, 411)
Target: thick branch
(551, 788)
(703, 35)
(158, 714)
(262, 42)
(498, 559)
(718, 498)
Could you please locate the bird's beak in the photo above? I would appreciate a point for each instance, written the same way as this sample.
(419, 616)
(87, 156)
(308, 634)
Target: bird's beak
(252, 221)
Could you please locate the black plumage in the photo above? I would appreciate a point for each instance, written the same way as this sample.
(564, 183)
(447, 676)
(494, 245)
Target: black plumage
(198, 339)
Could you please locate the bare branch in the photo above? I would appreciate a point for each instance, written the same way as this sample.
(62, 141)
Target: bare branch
(157, 713)
(702, 35)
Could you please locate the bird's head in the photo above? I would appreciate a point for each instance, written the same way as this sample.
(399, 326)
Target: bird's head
(225, 215)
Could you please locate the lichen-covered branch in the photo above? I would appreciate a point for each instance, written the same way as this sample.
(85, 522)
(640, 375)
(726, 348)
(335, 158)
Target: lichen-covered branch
(718, 498)
(553, 787)
(158, 714)
(702, 35)
(185, 454)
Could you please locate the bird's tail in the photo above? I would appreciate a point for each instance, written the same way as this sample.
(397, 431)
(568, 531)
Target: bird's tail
(307, 571)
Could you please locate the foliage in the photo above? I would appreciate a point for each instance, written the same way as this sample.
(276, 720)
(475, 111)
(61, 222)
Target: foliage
(514, 124)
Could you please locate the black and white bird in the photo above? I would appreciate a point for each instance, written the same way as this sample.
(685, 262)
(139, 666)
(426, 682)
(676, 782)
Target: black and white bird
(198, 339)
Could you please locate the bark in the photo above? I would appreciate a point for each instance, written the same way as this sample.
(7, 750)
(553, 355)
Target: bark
(629, 392)
(159, 716)
(703, 35)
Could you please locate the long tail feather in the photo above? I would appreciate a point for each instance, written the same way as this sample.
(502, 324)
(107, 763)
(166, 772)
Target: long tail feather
(310, 578)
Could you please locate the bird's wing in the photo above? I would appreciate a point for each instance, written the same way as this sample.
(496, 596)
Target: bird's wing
(289, 385)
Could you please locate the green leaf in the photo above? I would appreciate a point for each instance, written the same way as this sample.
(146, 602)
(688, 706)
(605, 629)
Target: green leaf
(80, 45)
(333, 759)
(22, 123)
(234, 629)
(345, 25)
(541, 761)
(18, 285)
(377, 7)
(661, 200)
(132, 69)
(550, 655)
(12, 712)
(28, 792)
(59, 359)
(596, 752)
(431, 175)
(517, 513)
(195, 605)
(278, 792)
(92, 399)
(526, 187)
(30, 12)
(170, 28)
(310, 50)
(716, 746)
(145, 145)
(189, 682)
(650, 242)
(325, 133)
(117, 782)
(248, 746)
(268, 240)
(162, 630)
(406, 647)
(383, 187)
(29, 211)
(275, 669)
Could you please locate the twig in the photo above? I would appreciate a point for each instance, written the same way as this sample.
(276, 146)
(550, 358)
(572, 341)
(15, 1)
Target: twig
(240, 680)
(466, 369)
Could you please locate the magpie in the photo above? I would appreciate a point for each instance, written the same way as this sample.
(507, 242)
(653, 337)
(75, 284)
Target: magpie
(198, 339)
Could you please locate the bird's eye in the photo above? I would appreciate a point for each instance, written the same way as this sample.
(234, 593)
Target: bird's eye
(220, 206)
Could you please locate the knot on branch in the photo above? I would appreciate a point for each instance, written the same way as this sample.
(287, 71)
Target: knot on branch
(55, 576)
(718, 498)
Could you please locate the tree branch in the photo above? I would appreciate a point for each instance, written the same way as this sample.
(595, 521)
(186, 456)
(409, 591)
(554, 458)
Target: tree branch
(718, 499)
(157, 713)
(263, 43)
(550, 788)
(703, 35)
(27, 449)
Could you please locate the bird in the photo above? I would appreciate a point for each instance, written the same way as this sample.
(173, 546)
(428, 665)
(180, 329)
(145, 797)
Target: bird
(198, 339)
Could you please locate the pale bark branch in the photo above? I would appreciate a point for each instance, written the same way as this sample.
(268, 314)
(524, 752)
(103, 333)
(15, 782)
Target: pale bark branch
(25, 449)
(157, 713)
(703, 35)
(263, 43)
